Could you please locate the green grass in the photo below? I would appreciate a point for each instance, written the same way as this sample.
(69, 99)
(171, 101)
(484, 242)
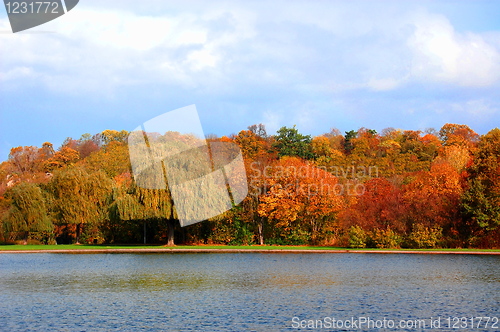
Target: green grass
(254, 247)
(94, 247)
(68, 247)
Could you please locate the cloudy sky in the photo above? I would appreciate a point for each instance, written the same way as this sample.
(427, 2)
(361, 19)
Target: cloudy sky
(115, 64)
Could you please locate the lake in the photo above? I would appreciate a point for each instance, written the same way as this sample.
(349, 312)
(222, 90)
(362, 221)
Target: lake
(248, 292)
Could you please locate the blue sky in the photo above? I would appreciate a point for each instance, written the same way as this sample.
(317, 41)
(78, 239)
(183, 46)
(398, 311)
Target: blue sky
(115, 64)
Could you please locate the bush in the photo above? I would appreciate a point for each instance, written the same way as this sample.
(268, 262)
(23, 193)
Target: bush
(425, 237)
(332, 239)
(290, 238)
(386, 238)
(91, 234)
(357, 237)
(298, 237)
(222, 233)
(243, 235)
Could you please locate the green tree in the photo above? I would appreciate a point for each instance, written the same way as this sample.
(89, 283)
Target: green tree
(349, 136)
(28, 217)
(80, 198)
(481, 201)
(147, 206)
(289, 142)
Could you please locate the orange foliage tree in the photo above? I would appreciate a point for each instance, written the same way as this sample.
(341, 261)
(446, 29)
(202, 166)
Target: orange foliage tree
(432, 198)
(380, 206)
(301, 197)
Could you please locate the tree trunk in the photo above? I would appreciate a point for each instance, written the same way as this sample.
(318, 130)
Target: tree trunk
(260, 227)
(314, 231)
(170, 232)
(78, 231)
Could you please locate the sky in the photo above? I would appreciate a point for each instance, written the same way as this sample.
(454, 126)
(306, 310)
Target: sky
(315, 64)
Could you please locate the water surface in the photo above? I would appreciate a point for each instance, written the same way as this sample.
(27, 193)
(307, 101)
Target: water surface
(239, 292)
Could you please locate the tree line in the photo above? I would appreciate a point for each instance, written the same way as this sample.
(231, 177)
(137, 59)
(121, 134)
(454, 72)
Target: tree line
(397, 188)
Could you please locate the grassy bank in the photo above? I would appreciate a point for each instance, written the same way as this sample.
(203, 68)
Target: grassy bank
(225, 248)
(194, 247)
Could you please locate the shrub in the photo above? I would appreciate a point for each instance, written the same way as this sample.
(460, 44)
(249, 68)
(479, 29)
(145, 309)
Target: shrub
(425, 237)
(243, 234)
(386, 238)
(357, 237)
(298, 237)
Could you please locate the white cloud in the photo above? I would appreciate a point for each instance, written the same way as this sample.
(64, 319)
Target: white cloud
(441, 54)
(383, 84)
(17, 73)
(331, 46)
(98, 51)
(475, 107)
(116, 30)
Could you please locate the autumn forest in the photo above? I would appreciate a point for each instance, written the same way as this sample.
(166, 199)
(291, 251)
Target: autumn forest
(393, 189)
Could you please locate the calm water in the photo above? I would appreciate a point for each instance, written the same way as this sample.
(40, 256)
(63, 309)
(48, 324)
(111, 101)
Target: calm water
(241, 292)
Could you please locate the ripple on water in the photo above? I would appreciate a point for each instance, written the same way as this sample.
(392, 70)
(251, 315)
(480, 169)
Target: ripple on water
(249, 291)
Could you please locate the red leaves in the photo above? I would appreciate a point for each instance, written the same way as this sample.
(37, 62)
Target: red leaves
(379, 207)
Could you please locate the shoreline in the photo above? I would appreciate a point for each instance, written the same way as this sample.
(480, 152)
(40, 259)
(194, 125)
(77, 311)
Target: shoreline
(228, 250)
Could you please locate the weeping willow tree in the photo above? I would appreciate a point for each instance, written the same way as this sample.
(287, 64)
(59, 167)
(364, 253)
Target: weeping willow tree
(147, 201)
(178, 177)
(80, 198)
(28, 217)
(149, 196)
(132, 203)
